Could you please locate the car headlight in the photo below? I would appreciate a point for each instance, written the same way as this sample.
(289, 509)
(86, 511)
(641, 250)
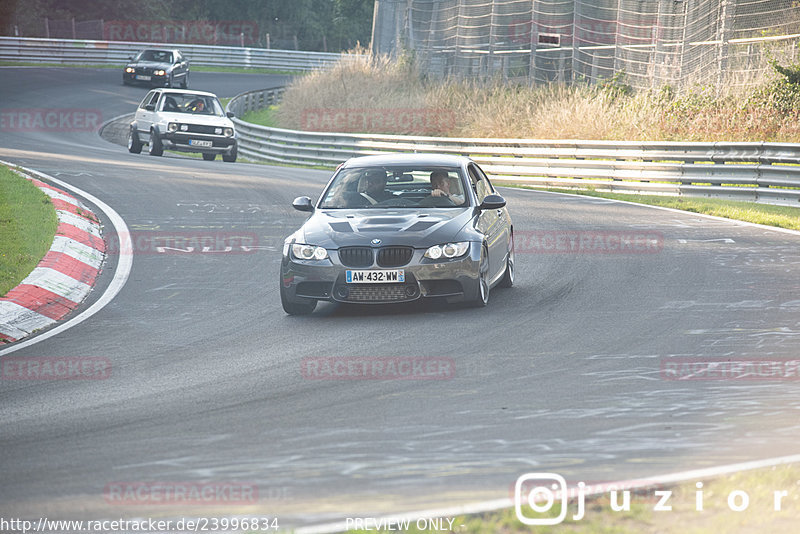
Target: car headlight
(448, 250)
(184, 127)
(218, 131)
(228, 132)
(130, 70)
(160, 72)
(172, 127)
(309, 252)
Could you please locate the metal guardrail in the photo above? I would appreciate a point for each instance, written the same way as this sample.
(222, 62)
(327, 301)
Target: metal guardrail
(762, 172)
(70, 51)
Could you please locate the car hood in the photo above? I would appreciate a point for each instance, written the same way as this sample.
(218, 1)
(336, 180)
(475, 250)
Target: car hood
(419, 229)
(196, 118)
(150, 64)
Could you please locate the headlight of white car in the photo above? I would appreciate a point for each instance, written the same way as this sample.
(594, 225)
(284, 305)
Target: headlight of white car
(308, 252)
(172, 127)
(448, 250)
(228, 132)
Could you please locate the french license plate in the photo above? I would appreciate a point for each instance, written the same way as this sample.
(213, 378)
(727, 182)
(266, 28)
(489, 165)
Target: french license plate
(375, 277)
(198, 142)
(143, 77)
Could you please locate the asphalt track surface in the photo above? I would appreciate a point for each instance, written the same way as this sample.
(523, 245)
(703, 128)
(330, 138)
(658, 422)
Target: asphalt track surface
(562, 373)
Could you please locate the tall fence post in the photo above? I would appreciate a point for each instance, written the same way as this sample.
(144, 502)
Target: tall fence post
(722, 56)
(575, 41)
(533, 42)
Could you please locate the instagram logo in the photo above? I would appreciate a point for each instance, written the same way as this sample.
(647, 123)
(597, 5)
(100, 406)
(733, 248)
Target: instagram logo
(539, 492)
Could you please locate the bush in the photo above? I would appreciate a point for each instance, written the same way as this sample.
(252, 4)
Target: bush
(609, 110)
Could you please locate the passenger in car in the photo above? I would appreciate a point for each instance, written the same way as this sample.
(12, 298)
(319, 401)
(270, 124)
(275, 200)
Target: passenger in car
(440, 187)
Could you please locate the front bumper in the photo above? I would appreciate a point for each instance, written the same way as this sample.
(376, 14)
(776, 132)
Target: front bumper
(455, 280)
(131, 77)
(179, 141)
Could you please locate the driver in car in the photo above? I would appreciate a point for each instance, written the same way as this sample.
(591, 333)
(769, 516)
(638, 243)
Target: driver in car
(440, 187)
(196, 106)
(375, 187)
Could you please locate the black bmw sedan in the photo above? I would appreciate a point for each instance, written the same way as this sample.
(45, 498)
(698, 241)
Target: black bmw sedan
(397, 228)
(157, 67)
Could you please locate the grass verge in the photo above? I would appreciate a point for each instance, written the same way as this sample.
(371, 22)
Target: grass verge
(767, 214)
(27, 225)
(715, 515)
(264, 117)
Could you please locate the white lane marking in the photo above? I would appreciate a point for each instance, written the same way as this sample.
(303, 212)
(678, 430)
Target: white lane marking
(719, 240)
(695, 475)
(70, 174)
(124, 265)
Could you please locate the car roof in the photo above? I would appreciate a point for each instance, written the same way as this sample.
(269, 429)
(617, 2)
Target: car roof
(446, 160)
(159, 50)
(167, 90)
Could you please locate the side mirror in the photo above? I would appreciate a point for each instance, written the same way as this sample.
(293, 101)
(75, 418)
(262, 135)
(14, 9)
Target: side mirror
(230, 114)
(130, 58)
(302, 204)
(150, 107)
(492, 202)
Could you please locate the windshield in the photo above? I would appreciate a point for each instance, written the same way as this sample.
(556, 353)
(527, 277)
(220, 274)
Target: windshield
(158, 56)
(191, 103)
(396, 187)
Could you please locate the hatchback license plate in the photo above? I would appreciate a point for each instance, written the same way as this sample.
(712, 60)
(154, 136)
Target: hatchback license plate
(198, 142)
(375, 277)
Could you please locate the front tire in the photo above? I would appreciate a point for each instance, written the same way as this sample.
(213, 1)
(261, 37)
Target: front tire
(482, 299)
(303, 307)
(134, 144)
(209, 157)
(156, 148)
(230, 158)
(508, 276)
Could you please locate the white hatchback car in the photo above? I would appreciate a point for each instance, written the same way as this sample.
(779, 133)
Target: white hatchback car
(183, 120)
